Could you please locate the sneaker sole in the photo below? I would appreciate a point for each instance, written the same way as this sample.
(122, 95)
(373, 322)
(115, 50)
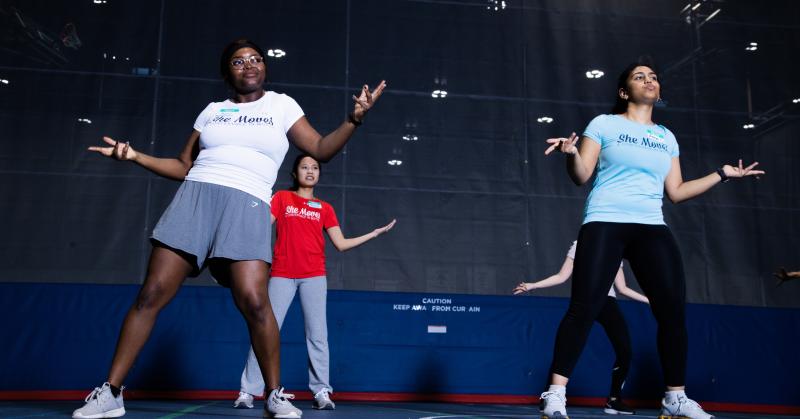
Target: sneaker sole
(242, 405)
(325, 407)
(610, 411)
(282, 415)
(110, 414)
(556, 416)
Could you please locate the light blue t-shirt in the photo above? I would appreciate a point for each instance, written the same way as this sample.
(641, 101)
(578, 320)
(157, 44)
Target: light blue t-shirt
(634, 160)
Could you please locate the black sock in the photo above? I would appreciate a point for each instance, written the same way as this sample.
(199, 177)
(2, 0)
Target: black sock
(114, 390)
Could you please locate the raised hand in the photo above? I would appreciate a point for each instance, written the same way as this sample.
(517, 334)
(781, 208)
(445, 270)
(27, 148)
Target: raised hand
(740, 172)
(378, 231)
(117, 150)
(366, 100)
(563, 145)
(522, 288)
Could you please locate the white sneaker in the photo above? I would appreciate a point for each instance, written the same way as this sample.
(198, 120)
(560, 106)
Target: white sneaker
(245, 400)
(278, 405)
(322, 400)
(555, 405)
(682, 408)
(100, 403)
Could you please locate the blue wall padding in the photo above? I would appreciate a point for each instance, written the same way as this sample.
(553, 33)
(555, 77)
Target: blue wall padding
(62, 337)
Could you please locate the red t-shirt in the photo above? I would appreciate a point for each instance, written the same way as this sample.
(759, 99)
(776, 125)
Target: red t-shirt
(300, 247)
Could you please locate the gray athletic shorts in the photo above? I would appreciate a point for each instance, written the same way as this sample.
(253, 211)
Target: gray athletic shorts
(209, 221)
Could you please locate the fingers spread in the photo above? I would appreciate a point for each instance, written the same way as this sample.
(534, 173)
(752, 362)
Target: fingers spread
(106, 151)
(378, 90)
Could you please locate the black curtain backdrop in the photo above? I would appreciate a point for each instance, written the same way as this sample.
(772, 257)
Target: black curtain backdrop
(479, 207)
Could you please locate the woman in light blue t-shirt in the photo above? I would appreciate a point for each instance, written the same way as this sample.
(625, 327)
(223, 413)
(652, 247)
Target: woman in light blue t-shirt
(636, 161)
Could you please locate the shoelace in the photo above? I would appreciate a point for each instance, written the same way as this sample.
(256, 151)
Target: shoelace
(548, 393)
(324, 392)
(93, 395)
(685, 401)
(283, 396)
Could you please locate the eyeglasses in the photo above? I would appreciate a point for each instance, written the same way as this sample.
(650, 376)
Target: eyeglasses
(253, 60)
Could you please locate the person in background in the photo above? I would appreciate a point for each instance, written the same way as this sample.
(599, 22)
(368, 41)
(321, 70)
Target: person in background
(299, 267)
(610, 317)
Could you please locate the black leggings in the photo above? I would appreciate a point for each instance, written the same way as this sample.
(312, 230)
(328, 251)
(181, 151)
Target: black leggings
(655, 259)
(617, 331)
(610, 318)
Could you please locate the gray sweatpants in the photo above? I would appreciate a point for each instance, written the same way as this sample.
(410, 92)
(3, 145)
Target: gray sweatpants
(313, 299)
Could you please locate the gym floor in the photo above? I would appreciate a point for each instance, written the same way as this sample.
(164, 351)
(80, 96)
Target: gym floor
(168, 409)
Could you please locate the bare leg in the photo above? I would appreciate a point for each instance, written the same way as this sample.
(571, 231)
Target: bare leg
(249, 288)
(165, 274)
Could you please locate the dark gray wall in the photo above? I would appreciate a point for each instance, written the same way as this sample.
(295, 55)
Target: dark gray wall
(479, 207)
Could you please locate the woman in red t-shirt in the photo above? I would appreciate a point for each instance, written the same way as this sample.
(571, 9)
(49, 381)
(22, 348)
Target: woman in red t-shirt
(298, 264)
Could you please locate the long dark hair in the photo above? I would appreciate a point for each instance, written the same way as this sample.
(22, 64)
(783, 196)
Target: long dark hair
(295, 181)
(621, 105)
(227, 53)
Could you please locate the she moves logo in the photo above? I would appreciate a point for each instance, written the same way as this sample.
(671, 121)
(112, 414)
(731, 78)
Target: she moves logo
(292, 211)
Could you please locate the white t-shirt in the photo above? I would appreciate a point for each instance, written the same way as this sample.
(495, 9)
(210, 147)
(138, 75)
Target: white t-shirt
(242, 145)
(571, 255)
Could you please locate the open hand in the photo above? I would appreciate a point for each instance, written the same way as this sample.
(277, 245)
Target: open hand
(564, 145)
(387, 227)
(366, 100)
(117, 150)
(522, 288)
(740, 172)
(784, 276)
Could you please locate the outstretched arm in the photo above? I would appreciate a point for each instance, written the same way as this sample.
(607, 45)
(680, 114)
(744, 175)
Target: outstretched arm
(342, 244)
(172, 168)
(622, 287)
(550, 281)
(305, 137)
(679, 191)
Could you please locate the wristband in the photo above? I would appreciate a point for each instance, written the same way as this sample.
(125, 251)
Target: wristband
(352, 119)
(724, 178)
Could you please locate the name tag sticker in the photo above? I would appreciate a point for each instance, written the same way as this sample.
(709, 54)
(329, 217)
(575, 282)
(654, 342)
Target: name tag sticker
(314, 204)
(655, 136)
(229, 110)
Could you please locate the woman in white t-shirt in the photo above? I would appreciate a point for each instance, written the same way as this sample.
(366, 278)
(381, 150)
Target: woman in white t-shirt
(610, 318)
(220, 215)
